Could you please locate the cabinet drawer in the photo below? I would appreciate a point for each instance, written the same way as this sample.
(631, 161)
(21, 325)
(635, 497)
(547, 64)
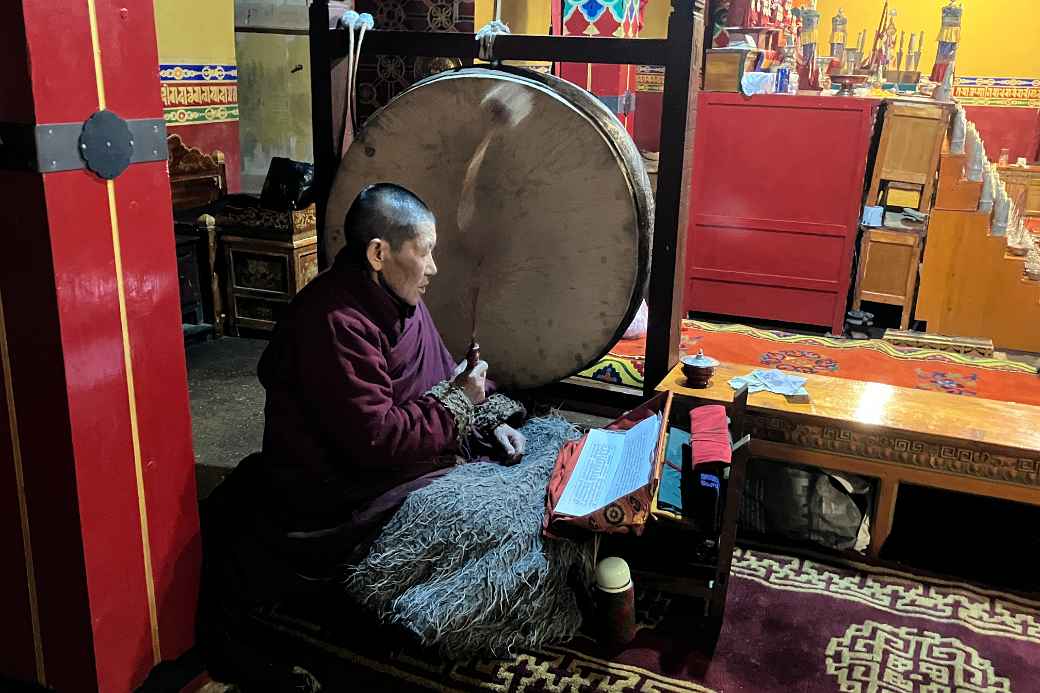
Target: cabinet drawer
(257, 312)
(260, 271)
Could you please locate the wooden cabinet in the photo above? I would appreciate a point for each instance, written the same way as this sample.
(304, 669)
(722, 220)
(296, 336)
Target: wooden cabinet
(777, 190)
(1023, 184)
(269, 257)
(912, 136)
(889, 260)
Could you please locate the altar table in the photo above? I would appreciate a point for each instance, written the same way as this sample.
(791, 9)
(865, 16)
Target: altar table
(892, 434)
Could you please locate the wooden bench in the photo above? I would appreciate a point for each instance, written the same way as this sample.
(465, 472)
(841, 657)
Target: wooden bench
(892, 434)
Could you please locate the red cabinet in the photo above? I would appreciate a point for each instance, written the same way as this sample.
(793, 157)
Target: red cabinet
(777, 192)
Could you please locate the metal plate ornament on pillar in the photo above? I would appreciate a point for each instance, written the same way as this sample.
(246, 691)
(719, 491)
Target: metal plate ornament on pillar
(562, 222)
(106, 144)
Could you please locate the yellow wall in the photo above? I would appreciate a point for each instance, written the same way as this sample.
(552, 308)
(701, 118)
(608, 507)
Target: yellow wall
(998, 37)
(196, 31)
(522, 16)
(655, 20)
(275, 103)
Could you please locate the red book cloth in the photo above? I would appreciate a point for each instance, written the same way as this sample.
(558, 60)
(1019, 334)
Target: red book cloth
(709, 434)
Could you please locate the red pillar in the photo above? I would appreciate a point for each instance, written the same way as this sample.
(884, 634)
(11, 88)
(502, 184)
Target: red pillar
(98, 517)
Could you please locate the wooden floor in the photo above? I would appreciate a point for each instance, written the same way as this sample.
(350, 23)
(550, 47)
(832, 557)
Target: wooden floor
(892, 434)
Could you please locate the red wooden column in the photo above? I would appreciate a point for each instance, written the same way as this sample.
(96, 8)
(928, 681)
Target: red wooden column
(99, 543)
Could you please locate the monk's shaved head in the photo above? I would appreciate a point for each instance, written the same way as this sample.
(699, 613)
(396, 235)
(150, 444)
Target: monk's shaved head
(384, 211)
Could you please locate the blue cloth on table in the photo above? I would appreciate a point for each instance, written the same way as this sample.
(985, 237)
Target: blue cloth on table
(669, 495)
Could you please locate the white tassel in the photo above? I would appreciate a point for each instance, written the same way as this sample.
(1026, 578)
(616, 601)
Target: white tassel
(360, 23)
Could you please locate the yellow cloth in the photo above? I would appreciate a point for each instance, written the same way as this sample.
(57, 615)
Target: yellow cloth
(950, 34)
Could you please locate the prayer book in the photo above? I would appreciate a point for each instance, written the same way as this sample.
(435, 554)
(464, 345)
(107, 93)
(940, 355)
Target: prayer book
(607, 480)
(611, 465)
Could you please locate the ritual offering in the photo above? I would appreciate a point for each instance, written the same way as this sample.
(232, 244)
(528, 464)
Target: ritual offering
(839, 35)
(1019, 241)
(1032, 267)
(559, 269)
(1001, 210)
(850, 61)
(810, 17)
(699, 370)
(986, 201)
(847, 83)
(949, 38)
(959, 133)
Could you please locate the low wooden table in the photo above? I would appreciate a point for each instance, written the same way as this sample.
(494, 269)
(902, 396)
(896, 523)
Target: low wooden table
(893, 434)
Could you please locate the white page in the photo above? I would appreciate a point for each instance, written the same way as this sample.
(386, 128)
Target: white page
(592, 473)
(611, 465)
(637, 460)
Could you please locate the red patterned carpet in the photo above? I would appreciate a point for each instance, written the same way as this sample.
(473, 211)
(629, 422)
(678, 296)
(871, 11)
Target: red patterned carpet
(865, 360)
(792, 626)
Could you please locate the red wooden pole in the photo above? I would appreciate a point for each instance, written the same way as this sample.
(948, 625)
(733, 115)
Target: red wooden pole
(98, 516)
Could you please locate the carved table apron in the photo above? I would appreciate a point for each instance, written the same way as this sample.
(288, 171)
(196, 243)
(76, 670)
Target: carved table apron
(893, 434)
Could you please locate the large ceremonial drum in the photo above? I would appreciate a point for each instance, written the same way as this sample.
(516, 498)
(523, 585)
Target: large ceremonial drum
(543, 206)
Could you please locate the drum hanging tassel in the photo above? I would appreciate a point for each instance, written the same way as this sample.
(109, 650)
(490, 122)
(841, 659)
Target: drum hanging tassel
(352, 21)
(488, 32)
(508, 105)
(366, 22)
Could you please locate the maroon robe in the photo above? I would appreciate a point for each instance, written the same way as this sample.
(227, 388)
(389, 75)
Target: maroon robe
(349, 432)
(346, 415)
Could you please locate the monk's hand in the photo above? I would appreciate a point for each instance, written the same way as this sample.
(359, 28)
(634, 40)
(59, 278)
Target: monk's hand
(512, 442)
(473, 382)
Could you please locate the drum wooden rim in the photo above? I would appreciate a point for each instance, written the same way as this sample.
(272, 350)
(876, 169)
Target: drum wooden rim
(610, 129)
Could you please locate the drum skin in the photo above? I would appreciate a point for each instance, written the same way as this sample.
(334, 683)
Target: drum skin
(557, 232)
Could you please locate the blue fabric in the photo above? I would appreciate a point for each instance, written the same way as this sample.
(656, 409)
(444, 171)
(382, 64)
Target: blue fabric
(669, 496)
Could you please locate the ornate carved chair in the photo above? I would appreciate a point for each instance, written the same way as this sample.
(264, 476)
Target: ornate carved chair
(197, 180)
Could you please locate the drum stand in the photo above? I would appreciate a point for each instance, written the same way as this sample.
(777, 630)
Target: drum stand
(681, 55)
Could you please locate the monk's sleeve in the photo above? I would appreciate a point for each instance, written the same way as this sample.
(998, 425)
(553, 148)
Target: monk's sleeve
(357, 409)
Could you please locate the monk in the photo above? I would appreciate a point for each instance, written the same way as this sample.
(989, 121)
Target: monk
(364, 405)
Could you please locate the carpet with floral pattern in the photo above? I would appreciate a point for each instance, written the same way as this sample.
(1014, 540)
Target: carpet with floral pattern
(871, 360)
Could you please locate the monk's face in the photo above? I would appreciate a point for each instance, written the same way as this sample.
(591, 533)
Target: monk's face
(408, 269)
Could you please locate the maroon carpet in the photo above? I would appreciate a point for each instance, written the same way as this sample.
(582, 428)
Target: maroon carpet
(792, 626)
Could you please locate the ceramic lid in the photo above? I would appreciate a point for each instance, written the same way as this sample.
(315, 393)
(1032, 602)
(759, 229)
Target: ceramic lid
(613, 575)
(700, 361)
